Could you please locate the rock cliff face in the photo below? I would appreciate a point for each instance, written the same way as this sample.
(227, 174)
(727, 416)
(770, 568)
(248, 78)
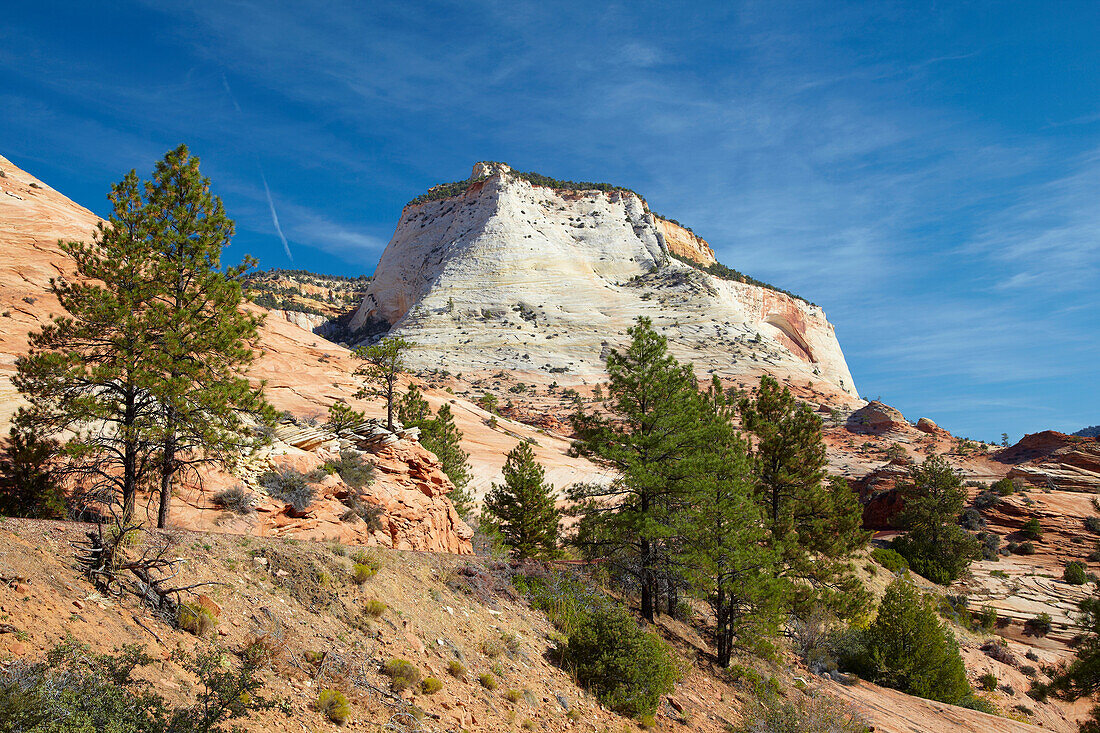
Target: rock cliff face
(684, 243)
(505, 274)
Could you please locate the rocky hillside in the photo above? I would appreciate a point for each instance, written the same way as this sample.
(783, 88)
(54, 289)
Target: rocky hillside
(513, 271)
(305, 298)
(456, 619)
(303, 374)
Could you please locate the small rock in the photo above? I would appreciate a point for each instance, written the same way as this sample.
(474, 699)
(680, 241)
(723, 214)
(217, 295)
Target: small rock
(78, 605)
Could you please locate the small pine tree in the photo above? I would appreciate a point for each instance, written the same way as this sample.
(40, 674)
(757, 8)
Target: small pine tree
(29, 482)
(910, 650)
(383, 363)
(342, 417)
(441, 436)
(524, 506)
(936, 546)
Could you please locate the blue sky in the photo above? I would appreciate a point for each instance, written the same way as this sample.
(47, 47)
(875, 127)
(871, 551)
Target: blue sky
(929, 172)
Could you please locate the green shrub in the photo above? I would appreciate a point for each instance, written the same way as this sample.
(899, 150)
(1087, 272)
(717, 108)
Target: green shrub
(487, 680)
(29, 482)
(374, 608)
(74, 690)
(1092, 524)
(907, 648)
(986, 618)
(889, 559)
(456, 669)
(288, 486)
(1075, 573)
(988, 681)
(1032, 529)
(402, 674)
(626, 667)
(361, 572)
(430, 686)
(1039, 625)
(194, 618)
(334, 705)
(513, 695)
(492, 647)
(1025, 548)
(352, 468)
(1004, 487)
(236, 499)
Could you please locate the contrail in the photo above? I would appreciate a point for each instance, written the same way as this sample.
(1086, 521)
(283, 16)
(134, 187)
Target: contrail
(267, 190)
(232, 96)
(275, 217)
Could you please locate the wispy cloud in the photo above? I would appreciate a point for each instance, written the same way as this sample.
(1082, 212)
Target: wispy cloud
(275, 217)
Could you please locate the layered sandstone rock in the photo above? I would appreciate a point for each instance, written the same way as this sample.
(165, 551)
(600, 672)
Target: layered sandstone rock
(1055, 460)
(510, 275)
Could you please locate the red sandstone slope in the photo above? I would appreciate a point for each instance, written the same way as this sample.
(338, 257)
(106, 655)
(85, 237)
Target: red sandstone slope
(303, 375)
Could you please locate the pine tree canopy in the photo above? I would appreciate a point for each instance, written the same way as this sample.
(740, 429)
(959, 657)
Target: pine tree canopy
(523, 506)
(147, 365)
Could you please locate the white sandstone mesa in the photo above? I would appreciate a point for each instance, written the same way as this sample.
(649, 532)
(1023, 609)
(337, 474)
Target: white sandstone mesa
(505, 274)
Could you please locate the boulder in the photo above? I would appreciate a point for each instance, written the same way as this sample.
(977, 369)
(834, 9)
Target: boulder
(876, 418)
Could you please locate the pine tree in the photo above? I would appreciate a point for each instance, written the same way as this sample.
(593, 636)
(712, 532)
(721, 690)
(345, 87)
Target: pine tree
(1081, 677)
(722, 550)
(524, 506)
(441, 436)
(910, 650)
(206, 341)
(30, 482)
(93, 371)
(814, 525)
(653, 401)
(342, 417)
(935, 546)
(383, 363)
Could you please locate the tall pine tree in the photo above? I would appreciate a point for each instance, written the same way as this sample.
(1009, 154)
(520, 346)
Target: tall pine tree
(93, 371)
(646, 440)
(814, 525)
(207, 341)
(721, 548)
(523, 506)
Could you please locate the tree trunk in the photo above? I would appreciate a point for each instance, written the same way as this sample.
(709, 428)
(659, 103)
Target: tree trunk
(166, 473)
(389, 404)
(722, 637)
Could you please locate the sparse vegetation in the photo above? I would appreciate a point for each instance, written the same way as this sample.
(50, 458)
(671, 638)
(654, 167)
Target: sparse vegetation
(74, 690)
(430, 686)
(334, 704)
(236, 499)
(1075, 573)
(195, 618)
(1032, 529)
(402, 674)
(487, 680)
(889, 559)
(288, 486)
